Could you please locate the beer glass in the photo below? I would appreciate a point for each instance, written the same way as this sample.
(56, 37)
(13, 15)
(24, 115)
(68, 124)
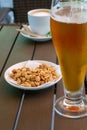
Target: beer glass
(69, 33)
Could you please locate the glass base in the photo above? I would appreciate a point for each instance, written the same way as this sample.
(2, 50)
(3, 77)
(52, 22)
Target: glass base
(69, 110)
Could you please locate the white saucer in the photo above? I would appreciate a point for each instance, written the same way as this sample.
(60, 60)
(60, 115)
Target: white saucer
(31, 64)
(42, 38)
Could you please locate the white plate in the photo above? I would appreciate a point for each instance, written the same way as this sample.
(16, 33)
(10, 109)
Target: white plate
(30, 63)
(43, 38)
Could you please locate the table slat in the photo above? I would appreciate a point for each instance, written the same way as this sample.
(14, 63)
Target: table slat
(7, 37)
(37, 107)
(10, 97)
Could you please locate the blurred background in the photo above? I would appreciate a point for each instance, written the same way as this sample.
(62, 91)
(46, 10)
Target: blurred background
(6, 16)
(15, 11)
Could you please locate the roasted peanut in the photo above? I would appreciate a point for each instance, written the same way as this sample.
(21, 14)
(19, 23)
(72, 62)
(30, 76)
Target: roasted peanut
(34, 77)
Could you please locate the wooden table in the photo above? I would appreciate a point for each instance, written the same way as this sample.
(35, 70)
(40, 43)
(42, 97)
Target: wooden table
(29, 110)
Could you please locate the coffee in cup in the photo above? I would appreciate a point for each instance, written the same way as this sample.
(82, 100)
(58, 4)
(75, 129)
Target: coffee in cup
(39, 21)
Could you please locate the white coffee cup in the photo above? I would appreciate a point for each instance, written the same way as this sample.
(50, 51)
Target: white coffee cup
(39, 21)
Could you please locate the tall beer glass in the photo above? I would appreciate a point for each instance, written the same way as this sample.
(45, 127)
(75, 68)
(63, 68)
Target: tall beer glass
(69, 34)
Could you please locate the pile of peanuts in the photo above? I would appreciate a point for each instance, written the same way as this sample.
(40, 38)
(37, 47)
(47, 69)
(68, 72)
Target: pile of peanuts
(34, 77)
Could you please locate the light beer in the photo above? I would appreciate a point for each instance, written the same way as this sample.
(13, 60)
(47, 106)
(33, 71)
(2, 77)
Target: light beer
(69, 33)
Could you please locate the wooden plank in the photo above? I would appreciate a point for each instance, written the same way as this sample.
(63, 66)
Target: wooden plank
(9, 96)
(7, 37)
(22, 51)
(72, 124)
(45, 51)
(37, 110)
(37, 107)
(62, 123)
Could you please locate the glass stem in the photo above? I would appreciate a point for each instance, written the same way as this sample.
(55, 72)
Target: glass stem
(73, 101)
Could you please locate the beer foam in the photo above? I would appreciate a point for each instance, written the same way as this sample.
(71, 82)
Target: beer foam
(71, 14)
